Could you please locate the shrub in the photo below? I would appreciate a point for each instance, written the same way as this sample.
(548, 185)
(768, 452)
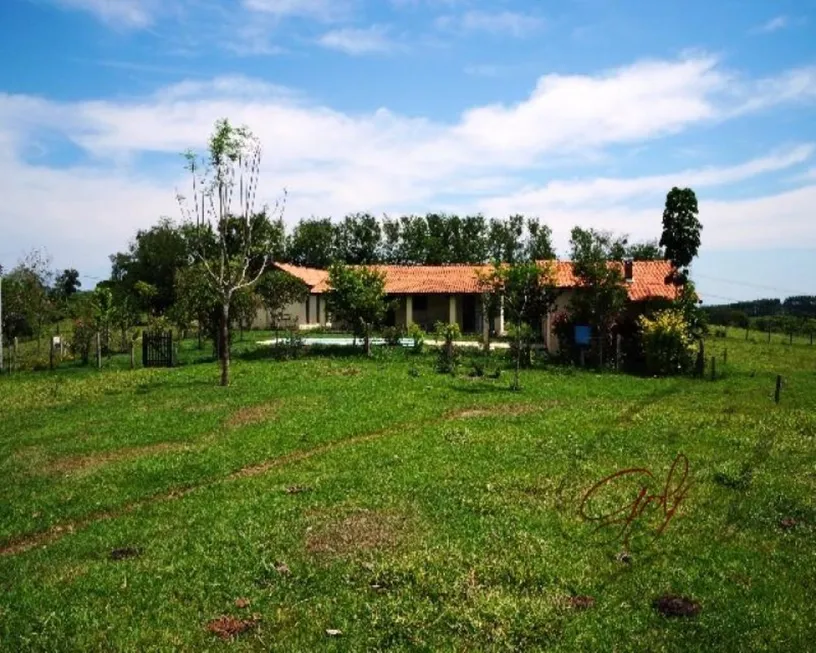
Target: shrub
(83, 339)
(289, 348)
(392, 336)
(416, 333)
(667, 343)
(448, 356)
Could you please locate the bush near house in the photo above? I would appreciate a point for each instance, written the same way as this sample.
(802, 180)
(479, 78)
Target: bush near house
(667, 343)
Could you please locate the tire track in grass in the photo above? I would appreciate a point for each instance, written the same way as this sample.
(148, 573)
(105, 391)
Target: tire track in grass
(30, 541)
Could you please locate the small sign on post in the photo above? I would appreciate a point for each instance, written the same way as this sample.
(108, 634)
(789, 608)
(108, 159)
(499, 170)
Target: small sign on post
(583, 339)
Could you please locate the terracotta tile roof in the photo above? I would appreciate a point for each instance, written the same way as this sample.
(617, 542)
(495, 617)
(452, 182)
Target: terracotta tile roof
(431, 279)
(312, 277)
(649, 278)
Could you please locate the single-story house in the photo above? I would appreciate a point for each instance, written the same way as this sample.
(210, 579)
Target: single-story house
(426, 294)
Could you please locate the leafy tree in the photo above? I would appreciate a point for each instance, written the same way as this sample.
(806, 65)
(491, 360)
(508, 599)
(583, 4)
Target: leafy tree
(473, 244)
(528, 293)
(196, 302)
(27, 302)
(681, 230)
(103, 313)
(601, 294)
(244, 309)
(357, 239)
(229, 169)
(505, 239)
(647, 250)
(312, 243)
(278, 290)
(67, 284)
(414, 240)
(153, 258)
(390, 243)
(357, 298)
(539, 241)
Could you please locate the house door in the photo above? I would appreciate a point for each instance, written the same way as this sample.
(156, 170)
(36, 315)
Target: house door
(469, 313)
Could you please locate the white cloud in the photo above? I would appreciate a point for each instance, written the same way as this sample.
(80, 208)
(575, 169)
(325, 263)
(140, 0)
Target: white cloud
(333, 162)
(124, 13)
(355, 41)
(324, 10)
(773, 25)
(601, 191)
(504, 22)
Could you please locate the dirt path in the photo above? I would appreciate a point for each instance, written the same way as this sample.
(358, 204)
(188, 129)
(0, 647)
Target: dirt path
(58, 531)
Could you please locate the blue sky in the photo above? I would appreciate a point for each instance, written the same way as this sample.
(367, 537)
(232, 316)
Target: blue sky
(580, 112)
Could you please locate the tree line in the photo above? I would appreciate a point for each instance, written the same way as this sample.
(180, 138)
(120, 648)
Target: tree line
(213, 269)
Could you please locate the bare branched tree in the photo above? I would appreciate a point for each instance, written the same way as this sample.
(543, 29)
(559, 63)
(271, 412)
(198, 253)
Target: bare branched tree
(230, 239)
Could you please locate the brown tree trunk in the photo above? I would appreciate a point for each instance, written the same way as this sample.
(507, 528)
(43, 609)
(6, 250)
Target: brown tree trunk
(518, 360)
(367, 339)
(224, 349)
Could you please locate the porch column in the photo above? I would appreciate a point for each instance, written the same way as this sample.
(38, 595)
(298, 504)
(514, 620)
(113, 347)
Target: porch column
(452, 309)
(409, 310)
(548, 335)
(501, 315)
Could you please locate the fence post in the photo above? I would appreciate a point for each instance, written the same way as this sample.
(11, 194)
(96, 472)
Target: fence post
(98, 351)
(51, 355)
(132, 355)
(778, 387)
(713, 367)
(13, 364)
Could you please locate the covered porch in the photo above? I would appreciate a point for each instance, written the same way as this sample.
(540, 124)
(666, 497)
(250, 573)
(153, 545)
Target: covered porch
(426, 309)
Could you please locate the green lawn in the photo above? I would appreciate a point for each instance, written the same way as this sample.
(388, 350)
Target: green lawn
(409, 510)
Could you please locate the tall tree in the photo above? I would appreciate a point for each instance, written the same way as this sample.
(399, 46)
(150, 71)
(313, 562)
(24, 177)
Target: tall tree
(153, 257)
(357, 239)
(312, 243)
(528, 293)
(647, 250)
(602, 293)
(357, 298)
(225, 182)
(681, 230)
(27, 300)
(506, 239)
(413, 248)
(539, 241)
(391, 241)
(67, 284)
(473, 243)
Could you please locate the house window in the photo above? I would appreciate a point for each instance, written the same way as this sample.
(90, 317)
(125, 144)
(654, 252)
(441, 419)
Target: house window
(421, 303)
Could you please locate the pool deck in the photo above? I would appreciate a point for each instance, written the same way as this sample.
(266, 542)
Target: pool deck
(340, 341)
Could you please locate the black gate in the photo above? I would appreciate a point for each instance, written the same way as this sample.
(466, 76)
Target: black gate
(157, 349)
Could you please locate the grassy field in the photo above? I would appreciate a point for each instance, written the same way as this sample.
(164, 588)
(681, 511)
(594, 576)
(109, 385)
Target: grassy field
(153, 510)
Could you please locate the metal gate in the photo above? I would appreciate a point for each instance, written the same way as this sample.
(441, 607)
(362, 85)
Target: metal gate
(157, 349)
